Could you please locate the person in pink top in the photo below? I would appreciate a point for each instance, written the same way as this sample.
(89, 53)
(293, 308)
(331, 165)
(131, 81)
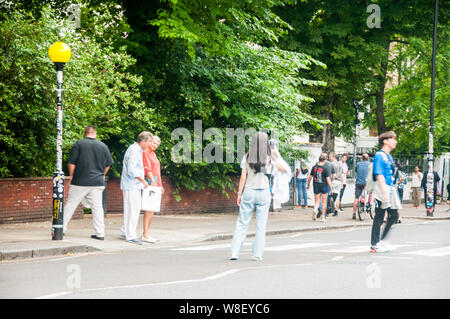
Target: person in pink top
(152, 169)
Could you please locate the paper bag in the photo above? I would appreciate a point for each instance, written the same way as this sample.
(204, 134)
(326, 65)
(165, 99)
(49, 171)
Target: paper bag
(151, 199)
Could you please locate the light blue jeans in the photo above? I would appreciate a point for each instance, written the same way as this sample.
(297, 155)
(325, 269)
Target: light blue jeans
(252, 199)
(302, 195)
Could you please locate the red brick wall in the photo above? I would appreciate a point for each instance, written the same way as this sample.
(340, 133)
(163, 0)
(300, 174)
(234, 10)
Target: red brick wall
(30, 199)
(207, 200)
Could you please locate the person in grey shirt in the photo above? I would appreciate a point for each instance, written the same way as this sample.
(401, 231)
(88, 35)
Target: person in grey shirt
(360, 182)
(332, 169)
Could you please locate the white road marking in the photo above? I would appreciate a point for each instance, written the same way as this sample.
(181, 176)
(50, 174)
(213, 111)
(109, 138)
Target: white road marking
(297, 246)
(208, 247)
(354, 249)
(358, 249)
(213, 277)
(435, 252)
(422, 242)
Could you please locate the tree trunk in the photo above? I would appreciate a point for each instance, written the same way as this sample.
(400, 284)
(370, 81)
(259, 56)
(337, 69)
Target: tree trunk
(328, 135)
(379, 95)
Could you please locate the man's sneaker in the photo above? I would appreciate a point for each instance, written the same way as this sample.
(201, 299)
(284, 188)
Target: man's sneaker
(234, 257)
(135, 241)
(256, 258)
(149, 239)
(378, 248)
(122, 236)
(97, 237)
(386, 245)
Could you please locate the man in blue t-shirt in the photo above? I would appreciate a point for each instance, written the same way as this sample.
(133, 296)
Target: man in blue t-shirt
(360, 183)
(386, 196)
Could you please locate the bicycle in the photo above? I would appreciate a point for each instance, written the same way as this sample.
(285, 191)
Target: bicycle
(365, 205)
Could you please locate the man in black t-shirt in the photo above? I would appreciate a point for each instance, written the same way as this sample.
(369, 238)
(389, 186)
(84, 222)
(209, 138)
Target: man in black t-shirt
(89, 161)
(321, 175)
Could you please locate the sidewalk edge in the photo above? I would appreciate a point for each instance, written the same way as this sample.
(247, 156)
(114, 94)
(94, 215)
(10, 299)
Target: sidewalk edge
(45, 252)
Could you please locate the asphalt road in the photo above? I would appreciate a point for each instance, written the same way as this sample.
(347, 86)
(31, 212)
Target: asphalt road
(316, 265)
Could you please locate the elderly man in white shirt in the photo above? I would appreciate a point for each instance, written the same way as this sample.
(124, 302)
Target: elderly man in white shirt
(132, 181)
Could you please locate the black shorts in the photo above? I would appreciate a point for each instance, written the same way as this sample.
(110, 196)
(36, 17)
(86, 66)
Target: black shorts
(321, 188)
(358, 190)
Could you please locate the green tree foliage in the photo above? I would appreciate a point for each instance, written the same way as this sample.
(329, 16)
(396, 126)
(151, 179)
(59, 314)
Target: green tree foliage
(410, 96)
(216, 61)
(98, 89)
(357, 56)
(334, 34)
(281, 65)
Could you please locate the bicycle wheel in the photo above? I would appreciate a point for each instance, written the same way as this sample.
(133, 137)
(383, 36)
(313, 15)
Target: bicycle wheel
(371, 209)
(361, 211)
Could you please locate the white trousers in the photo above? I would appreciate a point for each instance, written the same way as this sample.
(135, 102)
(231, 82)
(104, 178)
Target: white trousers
(94, 197)
(131, 210)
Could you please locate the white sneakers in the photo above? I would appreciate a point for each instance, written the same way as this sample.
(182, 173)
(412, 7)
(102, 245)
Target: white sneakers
(149, 239)
(314, 216)
(381, 247)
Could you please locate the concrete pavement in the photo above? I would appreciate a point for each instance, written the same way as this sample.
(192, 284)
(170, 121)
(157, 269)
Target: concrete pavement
(31, 240)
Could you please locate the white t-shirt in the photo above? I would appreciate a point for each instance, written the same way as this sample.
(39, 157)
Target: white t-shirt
(300, 175)
(344, 172)
(256, 180)
(416, 179)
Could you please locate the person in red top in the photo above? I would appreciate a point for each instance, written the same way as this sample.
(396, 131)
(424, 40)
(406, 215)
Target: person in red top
(152, 169)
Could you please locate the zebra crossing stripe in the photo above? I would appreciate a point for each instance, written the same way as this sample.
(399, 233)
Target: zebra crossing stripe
(358, 249)
(354, 249)
(434, 252)
(297, 246)
(208, 247)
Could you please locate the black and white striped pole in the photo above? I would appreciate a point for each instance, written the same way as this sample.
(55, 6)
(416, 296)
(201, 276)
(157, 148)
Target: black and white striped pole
(60, 54)
(430, 191)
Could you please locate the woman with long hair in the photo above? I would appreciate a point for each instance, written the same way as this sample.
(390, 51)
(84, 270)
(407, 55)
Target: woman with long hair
(254, 194)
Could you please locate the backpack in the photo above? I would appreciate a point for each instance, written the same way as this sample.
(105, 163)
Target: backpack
(370, 182)
(330, 205)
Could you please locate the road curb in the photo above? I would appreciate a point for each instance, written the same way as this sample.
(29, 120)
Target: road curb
(45, 252)
(426, 218)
